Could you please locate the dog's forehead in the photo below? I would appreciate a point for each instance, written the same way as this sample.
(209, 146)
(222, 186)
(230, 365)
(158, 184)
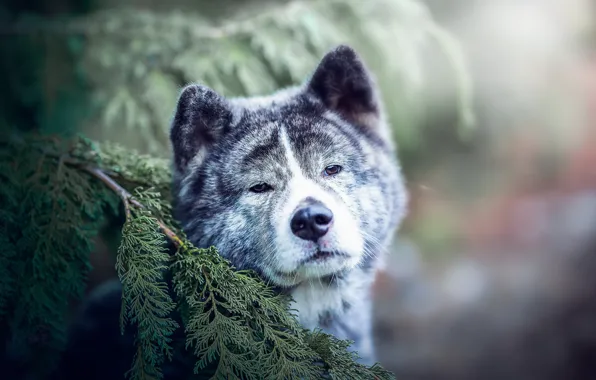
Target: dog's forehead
(263, 134)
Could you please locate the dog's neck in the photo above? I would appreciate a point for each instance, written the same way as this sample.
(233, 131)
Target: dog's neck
(315, 299)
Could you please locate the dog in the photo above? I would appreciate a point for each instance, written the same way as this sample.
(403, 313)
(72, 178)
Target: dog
(302, 186)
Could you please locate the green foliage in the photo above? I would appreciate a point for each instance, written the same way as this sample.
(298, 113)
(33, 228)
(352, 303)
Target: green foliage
(263, 339)
(137, 61)
(146, 303)
(341, 362)
(51, 213)
(53, 206)
(133, 170)
(134, 61)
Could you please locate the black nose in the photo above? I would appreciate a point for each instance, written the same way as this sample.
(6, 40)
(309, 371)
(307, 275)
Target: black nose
(311, 222)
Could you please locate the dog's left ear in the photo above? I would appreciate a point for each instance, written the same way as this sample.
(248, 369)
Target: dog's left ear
(344, 85)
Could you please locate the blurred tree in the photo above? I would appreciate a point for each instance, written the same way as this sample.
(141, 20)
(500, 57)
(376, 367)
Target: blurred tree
(115, 73)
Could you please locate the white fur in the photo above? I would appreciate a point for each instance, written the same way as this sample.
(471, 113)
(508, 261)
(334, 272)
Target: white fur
(312, 299)
(344, 234)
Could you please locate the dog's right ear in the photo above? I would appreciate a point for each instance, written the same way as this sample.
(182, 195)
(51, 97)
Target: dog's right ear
(345, 86)
(201, 118)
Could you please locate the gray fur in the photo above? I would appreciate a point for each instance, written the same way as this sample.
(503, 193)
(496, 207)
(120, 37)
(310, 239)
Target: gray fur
(222, 147)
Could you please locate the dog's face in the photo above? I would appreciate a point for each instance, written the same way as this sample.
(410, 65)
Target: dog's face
(299, 185)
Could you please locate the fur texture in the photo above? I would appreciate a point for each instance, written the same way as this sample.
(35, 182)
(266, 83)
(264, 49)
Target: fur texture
(244, 168)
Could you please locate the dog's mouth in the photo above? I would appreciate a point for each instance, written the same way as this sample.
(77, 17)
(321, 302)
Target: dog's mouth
(322, 256)
(322, 262)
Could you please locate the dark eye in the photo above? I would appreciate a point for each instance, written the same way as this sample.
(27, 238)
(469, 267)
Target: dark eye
(260, 188)
(332, 170)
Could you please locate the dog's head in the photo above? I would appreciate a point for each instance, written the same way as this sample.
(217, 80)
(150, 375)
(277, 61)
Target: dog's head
(298, 185)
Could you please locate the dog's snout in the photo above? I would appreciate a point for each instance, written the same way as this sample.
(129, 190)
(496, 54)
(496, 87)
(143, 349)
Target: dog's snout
(311, 222)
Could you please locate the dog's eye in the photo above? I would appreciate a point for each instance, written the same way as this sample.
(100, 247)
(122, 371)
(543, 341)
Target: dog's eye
(260, 188)
(332, 170)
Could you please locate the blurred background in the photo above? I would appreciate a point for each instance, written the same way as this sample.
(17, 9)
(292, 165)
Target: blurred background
(493, 105)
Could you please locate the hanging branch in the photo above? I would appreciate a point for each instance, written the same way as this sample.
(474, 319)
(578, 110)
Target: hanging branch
(126, 197)
(128, 200)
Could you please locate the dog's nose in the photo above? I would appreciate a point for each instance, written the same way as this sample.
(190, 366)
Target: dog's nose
(311, 222)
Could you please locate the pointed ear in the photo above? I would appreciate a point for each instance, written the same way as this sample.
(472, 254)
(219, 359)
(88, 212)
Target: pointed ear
(202, 116)
(344, 85)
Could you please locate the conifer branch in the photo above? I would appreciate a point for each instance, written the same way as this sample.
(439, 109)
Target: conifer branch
(128, 200)
(125, 196)
(233, 321)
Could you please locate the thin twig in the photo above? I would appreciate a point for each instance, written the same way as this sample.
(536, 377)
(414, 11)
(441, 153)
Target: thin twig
(128, 200)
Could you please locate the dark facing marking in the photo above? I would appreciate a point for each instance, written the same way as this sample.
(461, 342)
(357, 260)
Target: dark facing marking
(355, 133)
(198, 183)
(326, 319)
(303, 108)
(229, 195)
(348, 132)
(269, 147)
(309, 138)
(346, 306)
